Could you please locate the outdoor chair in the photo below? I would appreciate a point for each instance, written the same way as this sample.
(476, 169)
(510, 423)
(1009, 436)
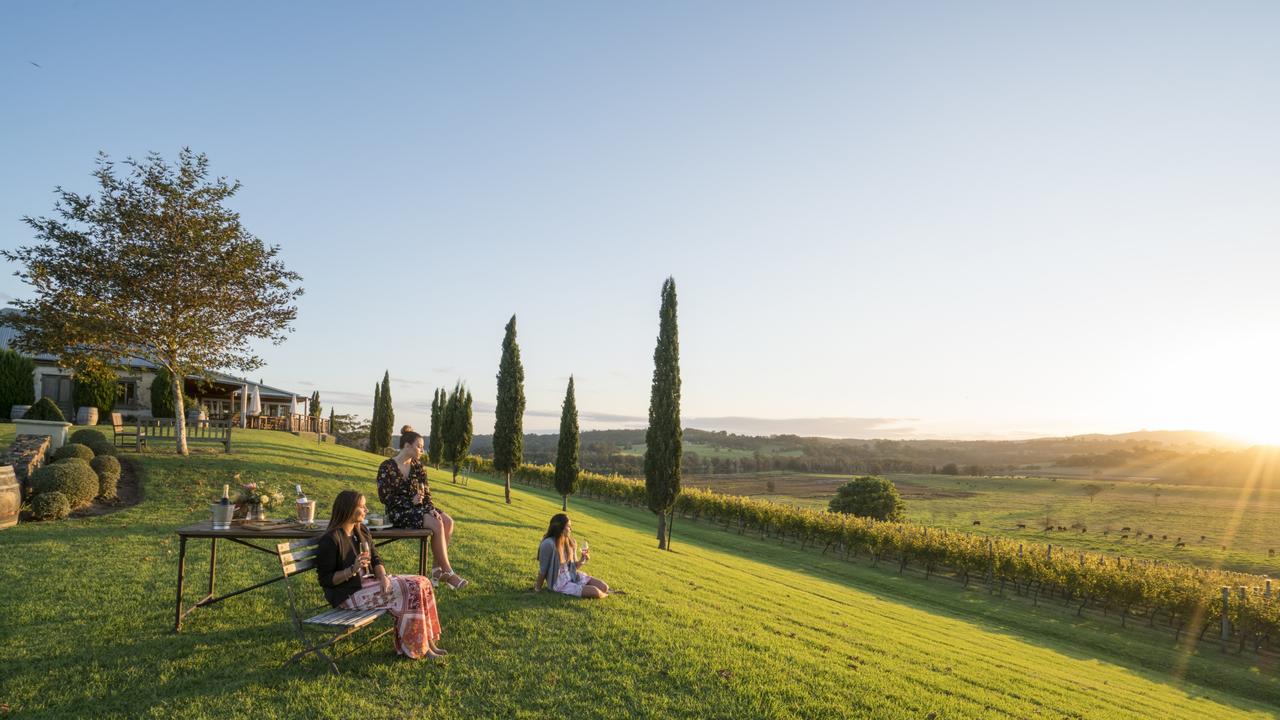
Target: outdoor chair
(122, 434)
(328, 626)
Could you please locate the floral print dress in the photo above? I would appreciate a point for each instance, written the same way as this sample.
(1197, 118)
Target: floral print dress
(396, 493)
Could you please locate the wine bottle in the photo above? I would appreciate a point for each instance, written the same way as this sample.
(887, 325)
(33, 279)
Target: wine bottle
(302, 497)
(226, 495)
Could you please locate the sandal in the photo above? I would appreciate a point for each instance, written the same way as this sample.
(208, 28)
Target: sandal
(454, 580)
(435, 577)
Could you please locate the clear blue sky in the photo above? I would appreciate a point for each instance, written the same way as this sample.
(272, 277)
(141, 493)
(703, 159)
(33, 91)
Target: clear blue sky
(884, 219)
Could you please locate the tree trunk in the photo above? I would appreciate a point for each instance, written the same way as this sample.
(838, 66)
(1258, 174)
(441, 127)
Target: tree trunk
(564, 503)
(455, 473)
(179, 415)
(662, 531)
(671, 522)
(507, 487)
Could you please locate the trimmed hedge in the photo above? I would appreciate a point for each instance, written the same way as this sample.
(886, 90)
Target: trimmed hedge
(45, 409)
(73, 477)
(74, 450)
(108, 470)
(96, 388)
(17, 381)
(1190, 598)
(87, 436)
(50, 506)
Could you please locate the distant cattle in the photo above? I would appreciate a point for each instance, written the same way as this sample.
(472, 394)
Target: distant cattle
(1202, 538)
(1124, 537)
(1180, 545)
(1124, 529)
(1084, 529)
(1164, 537)
(1047, 529)
(1150, 536)
(977, 522)
(1022, 526)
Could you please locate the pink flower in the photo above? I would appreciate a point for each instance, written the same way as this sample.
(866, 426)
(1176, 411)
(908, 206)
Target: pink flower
(251, 486)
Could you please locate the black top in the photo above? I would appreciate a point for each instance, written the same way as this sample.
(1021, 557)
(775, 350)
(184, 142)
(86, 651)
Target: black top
(396, 493)
(333, 555)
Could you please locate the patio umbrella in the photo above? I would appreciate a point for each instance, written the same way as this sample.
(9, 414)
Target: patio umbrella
(255, 402)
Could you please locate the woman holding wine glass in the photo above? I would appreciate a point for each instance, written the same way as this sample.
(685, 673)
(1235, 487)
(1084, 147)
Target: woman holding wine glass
(351, 573)
(558, 563)
(403, 490)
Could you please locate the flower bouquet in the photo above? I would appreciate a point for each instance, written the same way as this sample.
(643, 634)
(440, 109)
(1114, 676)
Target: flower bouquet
(255, 498)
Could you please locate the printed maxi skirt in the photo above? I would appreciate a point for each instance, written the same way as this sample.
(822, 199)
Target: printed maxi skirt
(412, 604)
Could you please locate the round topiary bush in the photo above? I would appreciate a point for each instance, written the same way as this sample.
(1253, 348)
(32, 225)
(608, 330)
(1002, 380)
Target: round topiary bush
(50, 506)
(74, 450)
(108, 469)
(103, 447)
(46, 409)
(72, 477)
(88, 437)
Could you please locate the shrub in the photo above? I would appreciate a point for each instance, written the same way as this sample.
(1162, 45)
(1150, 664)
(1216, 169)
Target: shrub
(74, 450)
(17, 376)
(162, 396)
(96, 388)
(870, 497)
(108, 470)
(50, 506)
(45, 409)
(72, 477)
(102, 447)
(87, 437)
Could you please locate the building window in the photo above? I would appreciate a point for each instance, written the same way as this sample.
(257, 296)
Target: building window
(128, 393)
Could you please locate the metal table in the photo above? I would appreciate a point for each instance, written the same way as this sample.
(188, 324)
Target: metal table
(241, 536)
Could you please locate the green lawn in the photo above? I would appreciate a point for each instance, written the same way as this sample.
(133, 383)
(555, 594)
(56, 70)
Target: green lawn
(725, 626)
(1245, 522)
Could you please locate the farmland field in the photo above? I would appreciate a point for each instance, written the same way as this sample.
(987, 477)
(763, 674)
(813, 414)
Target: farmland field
(724, 626)
(1247, 523)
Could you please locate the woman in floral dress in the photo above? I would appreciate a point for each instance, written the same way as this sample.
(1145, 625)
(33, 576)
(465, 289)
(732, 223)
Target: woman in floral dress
(340, 565)
(403, 490)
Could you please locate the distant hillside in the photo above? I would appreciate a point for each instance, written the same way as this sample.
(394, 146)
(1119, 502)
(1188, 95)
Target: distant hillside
(622, 452)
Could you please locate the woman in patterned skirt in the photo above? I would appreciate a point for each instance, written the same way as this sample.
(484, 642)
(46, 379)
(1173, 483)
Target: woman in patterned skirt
(340, 564)
(403, 490)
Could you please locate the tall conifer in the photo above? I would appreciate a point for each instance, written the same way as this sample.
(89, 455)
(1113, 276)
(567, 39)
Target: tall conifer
(508, 425)
(457, 427)
(435, 443)
(664, 439)
(375, 420)
(388, 412)
(567, 468)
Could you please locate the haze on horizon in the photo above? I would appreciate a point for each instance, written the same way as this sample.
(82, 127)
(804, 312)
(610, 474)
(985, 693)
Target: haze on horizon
(988, 220)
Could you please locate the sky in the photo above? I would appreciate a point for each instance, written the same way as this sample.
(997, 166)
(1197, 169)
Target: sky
(883, 219)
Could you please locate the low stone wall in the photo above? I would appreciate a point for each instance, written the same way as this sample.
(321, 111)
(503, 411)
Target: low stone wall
(25, 455)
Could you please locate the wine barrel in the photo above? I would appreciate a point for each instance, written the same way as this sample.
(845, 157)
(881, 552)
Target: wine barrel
(10, 497)
(87, 416)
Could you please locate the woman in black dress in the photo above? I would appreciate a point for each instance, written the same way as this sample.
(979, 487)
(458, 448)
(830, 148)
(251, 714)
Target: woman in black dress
(403, 490)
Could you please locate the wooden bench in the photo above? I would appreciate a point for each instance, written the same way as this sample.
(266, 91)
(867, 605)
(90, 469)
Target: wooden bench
(331, 624)
(217, 432)
(121, 433)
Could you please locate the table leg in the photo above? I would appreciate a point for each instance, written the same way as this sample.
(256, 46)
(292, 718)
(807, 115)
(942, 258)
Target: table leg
(182, 566)
(213, 562)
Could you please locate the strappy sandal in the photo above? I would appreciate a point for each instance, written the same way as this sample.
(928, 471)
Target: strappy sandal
(454, 580)
(435, 577)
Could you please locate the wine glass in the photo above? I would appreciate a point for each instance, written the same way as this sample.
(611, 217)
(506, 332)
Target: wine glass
(585, 548)
(364, 569)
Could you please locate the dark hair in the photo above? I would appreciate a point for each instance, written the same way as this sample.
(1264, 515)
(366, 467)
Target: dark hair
(344, 511)
(555, 531)
(408, 436)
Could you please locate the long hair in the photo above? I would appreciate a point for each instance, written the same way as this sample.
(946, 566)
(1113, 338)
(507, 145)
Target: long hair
(344, 511)
(556, 530)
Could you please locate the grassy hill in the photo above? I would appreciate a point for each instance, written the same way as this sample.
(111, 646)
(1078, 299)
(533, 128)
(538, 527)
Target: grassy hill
(725, 626)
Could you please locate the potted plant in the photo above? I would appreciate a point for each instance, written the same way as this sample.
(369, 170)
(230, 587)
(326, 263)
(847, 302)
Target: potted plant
(44, 418)
(256, 498)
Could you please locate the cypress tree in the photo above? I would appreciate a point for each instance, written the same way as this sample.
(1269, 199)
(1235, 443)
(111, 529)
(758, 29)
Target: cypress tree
(567, 449)
(508, 426)
(331, 416)
(375, 420)
(435, 444)
(664, 438)
(316, 410)
(388, 412)
(457, 427)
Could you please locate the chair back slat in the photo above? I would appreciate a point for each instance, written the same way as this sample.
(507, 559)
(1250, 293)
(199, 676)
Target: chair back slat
(303, 554)
(297, 556)
(294, 568)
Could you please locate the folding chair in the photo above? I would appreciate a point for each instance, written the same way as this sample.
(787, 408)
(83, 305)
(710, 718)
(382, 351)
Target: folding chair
(330, 625)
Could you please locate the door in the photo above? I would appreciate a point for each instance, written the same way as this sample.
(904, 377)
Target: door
(58, 389)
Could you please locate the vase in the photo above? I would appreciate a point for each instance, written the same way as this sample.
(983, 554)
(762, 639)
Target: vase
(256, 512)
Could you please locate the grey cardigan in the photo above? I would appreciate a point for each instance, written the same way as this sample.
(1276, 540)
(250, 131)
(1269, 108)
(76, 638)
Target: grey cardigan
(549, 562)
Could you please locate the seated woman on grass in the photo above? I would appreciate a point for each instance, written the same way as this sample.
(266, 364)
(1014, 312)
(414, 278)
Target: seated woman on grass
(346, 552)
(557, 567)
(403, 490)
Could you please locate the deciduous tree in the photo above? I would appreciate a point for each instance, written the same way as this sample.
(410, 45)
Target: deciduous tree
(869, 496)
(157, 268)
